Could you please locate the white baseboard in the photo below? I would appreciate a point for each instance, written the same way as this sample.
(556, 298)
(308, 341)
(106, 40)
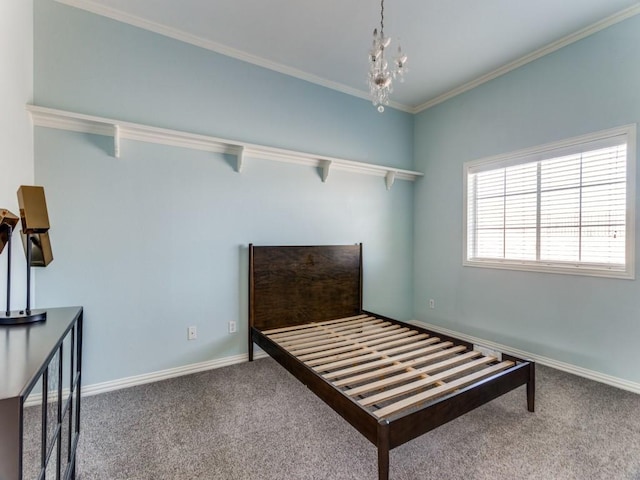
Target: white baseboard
(549, 362)
(96, 388)
(126, 382)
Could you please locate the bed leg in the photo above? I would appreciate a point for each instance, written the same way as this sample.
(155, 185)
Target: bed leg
(531, 388)
(250, 345)
(383, 451)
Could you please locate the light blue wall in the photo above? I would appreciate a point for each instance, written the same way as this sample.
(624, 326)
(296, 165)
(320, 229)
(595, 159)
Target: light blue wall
(156, 241)
(591, 85)
(90, 64)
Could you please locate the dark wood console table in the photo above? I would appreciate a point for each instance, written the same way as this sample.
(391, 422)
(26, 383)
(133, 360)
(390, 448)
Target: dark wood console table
(40, 367)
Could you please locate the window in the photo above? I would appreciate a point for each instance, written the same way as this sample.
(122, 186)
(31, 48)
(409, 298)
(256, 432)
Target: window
(568, 207)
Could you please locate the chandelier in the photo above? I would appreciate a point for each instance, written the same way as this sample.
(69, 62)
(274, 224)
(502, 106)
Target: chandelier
(380, 75)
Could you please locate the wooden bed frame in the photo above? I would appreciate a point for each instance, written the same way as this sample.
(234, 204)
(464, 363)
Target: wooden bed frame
(391, 380)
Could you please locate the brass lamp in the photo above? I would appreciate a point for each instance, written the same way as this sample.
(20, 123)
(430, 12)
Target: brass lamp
(35, 224)
(8, 222)
(35, 239)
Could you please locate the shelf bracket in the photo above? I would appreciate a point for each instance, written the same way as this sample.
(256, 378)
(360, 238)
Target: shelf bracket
(240, 159)
(390, 177)
(325, 166)
(116, 141)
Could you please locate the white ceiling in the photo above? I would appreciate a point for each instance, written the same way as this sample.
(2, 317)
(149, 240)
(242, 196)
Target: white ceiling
(452, 44)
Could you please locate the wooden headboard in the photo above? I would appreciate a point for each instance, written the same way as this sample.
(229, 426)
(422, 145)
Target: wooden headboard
(291, 285)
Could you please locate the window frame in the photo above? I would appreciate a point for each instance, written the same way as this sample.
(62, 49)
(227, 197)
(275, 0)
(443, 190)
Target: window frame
(548, 151)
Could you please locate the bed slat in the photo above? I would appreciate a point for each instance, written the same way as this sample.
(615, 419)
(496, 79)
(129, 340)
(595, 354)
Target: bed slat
(289, 337)
(400, 342)
(425, 382)
(387, 361)
(331, 336)
(412, 373)
(407, 364)
(438, 391)
(416, 341)
(311, 324)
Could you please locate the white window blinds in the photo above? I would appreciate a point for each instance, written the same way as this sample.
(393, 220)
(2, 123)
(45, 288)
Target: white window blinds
(565, 207)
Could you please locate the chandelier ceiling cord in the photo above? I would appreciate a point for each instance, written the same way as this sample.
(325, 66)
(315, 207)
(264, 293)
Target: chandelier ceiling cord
(380, 75)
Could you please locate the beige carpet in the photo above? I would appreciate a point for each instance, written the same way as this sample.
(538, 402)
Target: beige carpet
(255, 421)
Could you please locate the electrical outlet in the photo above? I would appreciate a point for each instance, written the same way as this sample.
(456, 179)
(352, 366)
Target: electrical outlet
(232, 327)
(432, 303)
(192, 333)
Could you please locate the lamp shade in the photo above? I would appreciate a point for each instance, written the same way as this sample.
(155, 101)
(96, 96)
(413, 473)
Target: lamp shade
(41, 254)
(8, 222)
(33, 209)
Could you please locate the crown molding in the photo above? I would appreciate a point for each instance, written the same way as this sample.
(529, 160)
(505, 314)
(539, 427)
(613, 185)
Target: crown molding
(176, 34)
(541, 52)
(180, 35)
(118, 129)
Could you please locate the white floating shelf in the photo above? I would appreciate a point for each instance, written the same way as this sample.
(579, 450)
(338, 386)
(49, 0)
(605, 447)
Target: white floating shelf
(78, 122)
